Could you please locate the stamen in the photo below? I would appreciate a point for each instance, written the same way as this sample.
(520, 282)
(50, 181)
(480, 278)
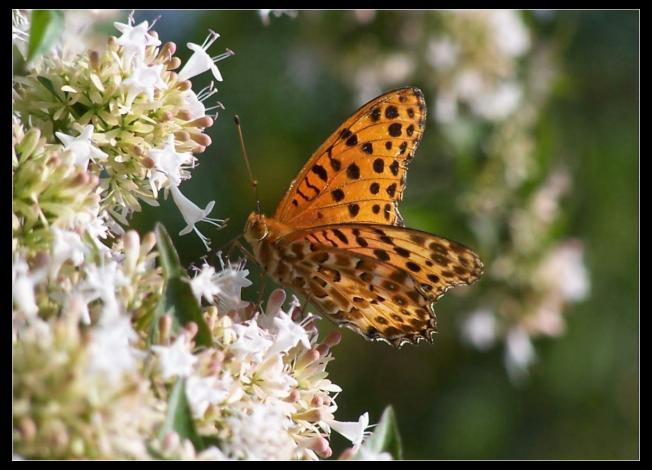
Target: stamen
(224, 55)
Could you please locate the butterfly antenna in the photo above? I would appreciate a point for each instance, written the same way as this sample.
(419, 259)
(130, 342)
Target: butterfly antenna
(254, 182)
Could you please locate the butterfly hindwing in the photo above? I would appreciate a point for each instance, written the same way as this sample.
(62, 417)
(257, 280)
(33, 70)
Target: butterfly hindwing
(379, 280)
(358, 174)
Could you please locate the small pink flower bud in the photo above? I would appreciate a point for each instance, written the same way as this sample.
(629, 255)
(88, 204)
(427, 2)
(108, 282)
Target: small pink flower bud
(148, 163)
(94, 59)
(170, 441)
(201, 139)
(191, 328)
(184, 85)
(182, 136)
(173, 63)
(184, 115)
(27, 429)
(202, 122)
(164, 327)
(333, 338)
(149, 241)
(321, 446)
(293, 397)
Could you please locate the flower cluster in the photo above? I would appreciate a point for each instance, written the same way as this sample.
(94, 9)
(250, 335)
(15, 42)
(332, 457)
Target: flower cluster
(105, 362)
(265, 390)
(124, 113)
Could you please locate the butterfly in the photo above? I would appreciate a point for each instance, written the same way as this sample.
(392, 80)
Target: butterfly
(338, 238)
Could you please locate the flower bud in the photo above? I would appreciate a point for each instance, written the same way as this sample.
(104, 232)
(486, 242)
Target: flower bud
(94, 59)
(149, 241)
(30, 142)
(201, 139)
(202, 122)
(184, 115)
(173, 63)
(184, 85)
(182, 136)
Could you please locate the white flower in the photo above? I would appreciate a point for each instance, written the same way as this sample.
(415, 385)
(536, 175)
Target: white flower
(204, 391)
(211, 453)
(102, 281)
(97, 228)
(251, 340)
(143, 79)
(76, 305)
(271, 379)
(200, 61)
(446, 107)
(193, 104)
(82, 147)
(499, 102)
(110, 354)
(354, 431)
(193, 214)
(510, 35)
(134, 40)
(480, 329)
(203, 284)
(261, 433)
(264, 14)
(225, 285)
(230, 282)
(22, 287)
(442, 53)
(519, 353)
(563, 270)
(66, 246)
(175, 359)
(288, 333)
(367, 454)
(167, 164)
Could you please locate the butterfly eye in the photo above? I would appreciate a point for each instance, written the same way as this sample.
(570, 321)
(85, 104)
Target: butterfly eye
(260, 230)
(256, 228)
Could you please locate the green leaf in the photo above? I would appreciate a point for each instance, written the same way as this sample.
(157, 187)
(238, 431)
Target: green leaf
(168, 254)
(47, 84)
(177, 299)
(386, 437)
(46, 28)
(179, 416)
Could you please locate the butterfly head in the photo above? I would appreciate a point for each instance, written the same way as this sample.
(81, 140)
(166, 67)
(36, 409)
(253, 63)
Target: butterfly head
(256, 229)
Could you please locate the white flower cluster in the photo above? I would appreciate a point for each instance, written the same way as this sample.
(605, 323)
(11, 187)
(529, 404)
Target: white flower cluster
(474, 60)
(263, 391)
(555, 278)
(125, 115)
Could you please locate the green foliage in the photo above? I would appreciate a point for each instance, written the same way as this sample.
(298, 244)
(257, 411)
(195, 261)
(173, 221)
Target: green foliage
(177, 299)
(47, 26)
(179, 416)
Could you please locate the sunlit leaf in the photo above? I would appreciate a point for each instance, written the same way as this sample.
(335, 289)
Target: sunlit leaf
(179, 416)
(47, 26)
(177, 299)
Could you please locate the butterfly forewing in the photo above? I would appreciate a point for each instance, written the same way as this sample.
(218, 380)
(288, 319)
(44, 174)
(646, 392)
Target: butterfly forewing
(359, 173)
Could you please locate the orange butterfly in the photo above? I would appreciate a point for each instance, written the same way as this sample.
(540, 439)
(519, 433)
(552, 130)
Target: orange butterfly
(337, 235)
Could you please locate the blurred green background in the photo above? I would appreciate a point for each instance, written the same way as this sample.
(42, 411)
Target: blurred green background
(288, 84)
